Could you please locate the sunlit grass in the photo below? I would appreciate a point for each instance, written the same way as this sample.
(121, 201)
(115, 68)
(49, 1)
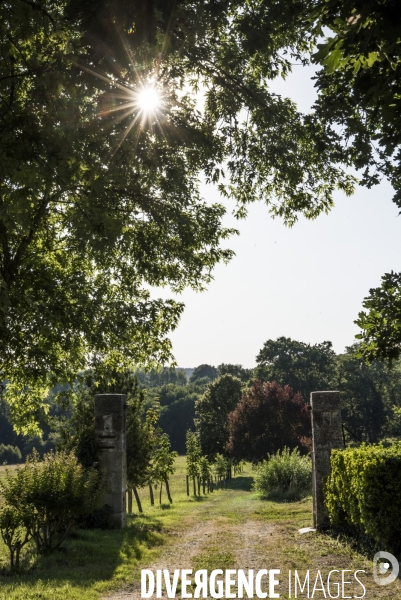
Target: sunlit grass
(97, 562)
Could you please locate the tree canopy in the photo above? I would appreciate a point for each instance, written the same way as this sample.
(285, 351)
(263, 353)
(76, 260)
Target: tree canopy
(381, 323)
(304, 367)
(88, 213)
(99, 198)
(359, 85)
(204, 371)
(368, 394)
(359, 90)
(220, 398)
(236, 371)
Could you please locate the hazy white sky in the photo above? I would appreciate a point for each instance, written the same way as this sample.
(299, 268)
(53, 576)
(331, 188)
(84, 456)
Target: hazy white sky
(307, 283)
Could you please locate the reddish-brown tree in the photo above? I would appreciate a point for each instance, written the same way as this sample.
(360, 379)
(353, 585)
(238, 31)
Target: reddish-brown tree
(267, 418)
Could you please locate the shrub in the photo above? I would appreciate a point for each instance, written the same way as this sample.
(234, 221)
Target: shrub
(53, 495)
(286, 475)
(16, 531)
(363, 491)
(10, 454)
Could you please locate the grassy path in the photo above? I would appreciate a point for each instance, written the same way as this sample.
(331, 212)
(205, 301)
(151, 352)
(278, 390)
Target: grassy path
(230, 528)
(235, 529)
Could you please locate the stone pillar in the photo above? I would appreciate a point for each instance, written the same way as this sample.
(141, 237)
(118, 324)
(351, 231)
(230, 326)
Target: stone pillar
(110, 417)
(326, 435)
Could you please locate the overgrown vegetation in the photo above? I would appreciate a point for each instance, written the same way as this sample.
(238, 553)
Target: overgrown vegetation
(285, 475)
(44, 499)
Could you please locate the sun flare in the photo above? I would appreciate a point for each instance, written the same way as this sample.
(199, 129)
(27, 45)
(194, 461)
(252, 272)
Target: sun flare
(149, 99)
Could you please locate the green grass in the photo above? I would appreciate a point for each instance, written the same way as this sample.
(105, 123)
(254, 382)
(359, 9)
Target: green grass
(214, 558)
(94, 562)
(91, 562)
(238, 529)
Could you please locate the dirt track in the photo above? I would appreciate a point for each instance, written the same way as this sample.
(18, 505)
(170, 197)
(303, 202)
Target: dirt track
(231, 533)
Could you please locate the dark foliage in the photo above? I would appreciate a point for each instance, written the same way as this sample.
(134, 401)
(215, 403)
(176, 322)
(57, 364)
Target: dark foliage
(98, 519)
(305, 368)
(236, 371)
(268, 418)
(176, 419)
(204, 371)
(220, 398)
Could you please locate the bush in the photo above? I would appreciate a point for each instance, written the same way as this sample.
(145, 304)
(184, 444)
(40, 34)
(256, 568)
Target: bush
(10, 454)
(53, 495)
(286, 475)
(16, 531)
(363, 490)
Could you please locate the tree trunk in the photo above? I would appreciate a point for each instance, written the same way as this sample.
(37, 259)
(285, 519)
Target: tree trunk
(17, 553)
(199, 484)
(204, 485)
(137, 499)
(160, 495)
(168, 491)
(152, 498)
(187, 485)
(129, 507)
(194, 482)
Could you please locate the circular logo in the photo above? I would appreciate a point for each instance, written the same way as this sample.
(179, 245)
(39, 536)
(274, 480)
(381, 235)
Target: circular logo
(390, 568)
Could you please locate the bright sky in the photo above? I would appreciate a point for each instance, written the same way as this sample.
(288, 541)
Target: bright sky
(307, 283)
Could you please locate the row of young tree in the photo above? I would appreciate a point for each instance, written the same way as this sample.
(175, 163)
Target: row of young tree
(204, 472)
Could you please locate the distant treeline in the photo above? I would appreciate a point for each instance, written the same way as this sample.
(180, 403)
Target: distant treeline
(371, 393)
(14, 448)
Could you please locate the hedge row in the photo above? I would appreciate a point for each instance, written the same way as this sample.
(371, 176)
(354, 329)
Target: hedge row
(363, 492)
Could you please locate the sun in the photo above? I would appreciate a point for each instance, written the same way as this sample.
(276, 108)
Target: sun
(148, 99)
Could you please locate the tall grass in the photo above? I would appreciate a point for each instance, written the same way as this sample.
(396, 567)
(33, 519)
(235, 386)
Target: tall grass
(285, 475)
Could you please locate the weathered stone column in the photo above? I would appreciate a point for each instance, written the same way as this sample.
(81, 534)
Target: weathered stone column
(110, 416)
(326, 435)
